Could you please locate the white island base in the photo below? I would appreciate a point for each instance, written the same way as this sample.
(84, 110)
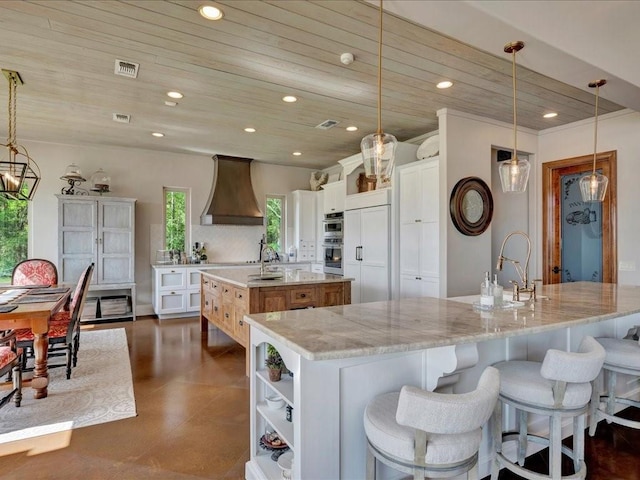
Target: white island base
(331, 387)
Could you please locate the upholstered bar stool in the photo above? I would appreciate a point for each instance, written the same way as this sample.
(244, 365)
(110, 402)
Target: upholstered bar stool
(560, 387)
(623, 356)
(428, 434)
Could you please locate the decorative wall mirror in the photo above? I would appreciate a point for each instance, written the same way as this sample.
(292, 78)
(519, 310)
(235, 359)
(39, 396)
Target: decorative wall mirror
(471, 206)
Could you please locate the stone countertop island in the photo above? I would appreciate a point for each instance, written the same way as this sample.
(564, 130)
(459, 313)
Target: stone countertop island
(227, 294)
(342, 357)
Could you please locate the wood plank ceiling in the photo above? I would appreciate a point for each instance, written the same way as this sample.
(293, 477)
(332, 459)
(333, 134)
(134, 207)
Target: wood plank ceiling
(234, 73)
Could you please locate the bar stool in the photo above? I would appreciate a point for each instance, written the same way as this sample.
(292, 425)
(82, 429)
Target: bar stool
(623, 356)
(557, 388)
(428, 434)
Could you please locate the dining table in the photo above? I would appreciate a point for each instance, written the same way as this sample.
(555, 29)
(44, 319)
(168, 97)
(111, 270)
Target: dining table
(32, 309)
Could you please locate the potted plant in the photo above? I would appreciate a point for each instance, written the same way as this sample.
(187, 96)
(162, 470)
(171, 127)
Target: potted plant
(274, 363)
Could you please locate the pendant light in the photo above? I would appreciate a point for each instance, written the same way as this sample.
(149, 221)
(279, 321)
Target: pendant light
(593, 187)
(19, 174)
(514, 173)
(379, 149)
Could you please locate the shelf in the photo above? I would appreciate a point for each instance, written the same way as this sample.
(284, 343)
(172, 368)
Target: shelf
(277, 419)
(284, 387)
(268, 467)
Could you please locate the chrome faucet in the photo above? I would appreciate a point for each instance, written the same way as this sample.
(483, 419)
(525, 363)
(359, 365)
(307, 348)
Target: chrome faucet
(523, 286)
(267, 251)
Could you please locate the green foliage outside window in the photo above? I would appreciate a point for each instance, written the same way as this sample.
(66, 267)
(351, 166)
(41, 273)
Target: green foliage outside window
(14, 236)
(175, 220)
(274, 223)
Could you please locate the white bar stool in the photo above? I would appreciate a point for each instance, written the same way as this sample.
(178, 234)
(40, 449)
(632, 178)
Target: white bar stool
(623, 356)
(429, 434)
(558, 388)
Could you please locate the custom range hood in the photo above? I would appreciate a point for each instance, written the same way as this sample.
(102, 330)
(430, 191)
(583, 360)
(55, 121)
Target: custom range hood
(232, 201)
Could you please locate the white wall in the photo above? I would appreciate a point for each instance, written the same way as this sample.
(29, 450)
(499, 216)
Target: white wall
(141, 174)
(616, 131)
(467, 142)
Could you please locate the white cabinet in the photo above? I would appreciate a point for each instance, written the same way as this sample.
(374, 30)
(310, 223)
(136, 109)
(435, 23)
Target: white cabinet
(366, 253)
(176, 291)
(334, 196)
(419, 238)
(305, 224)
(99, 230)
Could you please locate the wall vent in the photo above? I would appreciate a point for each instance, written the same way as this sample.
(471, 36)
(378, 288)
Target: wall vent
(127, 69)
(327, 124)
(121, 118)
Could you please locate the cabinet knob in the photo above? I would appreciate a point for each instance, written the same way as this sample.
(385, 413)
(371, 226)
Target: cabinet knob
(303, 295)
(226, 315)
(239, 295)
(173, 293)
(215, 286)
(226, 290)
(173, 271)
(241, 322)
(215, 309)
(206, 303)
(418, 220)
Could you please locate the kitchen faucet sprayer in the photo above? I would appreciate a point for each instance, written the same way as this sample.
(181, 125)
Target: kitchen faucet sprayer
(523, 286)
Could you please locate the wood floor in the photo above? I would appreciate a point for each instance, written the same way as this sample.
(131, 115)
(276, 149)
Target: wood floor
(192, 400)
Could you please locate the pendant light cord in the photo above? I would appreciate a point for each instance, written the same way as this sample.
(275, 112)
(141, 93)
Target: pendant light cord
(595, 131)
(379, 131)
(514, 159)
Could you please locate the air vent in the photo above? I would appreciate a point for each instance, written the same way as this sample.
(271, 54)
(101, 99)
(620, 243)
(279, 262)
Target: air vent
(127, 69)
(121, 118)
(327, 124)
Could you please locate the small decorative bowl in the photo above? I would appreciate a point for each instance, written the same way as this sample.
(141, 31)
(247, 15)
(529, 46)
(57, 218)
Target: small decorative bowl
(275, 402)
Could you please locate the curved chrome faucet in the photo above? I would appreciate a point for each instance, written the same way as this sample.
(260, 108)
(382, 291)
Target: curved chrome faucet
(522, 273)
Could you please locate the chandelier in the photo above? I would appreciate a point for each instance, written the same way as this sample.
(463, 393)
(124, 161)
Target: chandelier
(378, 149)
(19, 174)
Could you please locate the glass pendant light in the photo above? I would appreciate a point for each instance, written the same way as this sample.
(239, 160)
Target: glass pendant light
(593, 187)
(514, 173)
(379, 149)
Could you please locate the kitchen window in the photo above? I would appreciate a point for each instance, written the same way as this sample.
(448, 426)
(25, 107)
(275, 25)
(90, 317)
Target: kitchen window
(275, 206)
(176, 216)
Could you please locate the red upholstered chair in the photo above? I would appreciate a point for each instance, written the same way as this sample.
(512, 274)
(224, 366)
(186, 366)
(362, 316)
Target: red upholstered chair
(34, 271)
(10, 360)
(64, 337)
(64, 316)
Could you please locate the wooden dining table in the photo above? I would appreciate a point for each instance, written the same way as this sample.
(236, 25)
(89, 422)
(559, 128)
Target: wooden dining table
(36, 316)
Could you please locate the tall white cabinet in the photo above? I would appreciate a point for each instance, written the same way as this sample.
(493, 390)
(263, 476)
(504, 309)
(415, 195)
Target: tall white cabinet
(366, 253)
(305, 227)
(99, 230)
(419, 225)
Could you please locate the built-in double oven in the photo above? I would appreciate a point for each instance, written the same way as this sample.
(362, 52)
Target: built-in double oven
(332, 242)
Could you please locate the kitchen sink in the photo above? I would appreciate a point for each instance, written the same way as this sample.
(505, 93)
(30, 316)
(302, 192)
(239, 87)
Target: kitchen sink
(265, 276)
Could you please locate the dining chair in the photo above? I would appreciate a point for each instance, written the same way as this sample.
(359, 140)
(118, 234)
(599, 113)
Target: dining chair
(64, 337)
(34, 271)
(429, 434)
(10, 363)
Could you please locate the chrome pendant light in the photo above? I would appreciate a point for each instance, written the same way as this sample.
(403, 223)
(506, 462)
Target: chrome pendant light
(19, 174)
(593, 187)
(514, 173)
(379, 149)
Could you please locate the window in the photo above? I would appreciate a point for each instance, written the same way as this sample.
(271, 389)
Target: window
(275, 222)
(176, 218)
(14, 236)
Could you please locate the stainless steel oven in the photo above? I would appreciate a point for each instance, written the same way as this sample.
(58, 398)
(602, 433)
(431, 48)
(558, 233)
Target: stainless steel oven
(333, 253)
(333, 225)
(332, 246)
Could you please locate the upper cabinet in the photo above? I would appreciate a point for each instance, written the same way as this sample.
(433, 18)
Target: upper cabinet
(334, 196)
(99, 230)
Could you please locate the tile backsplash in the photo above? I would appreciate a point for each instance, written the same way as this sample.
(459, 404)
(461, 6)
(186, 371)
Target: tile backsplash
(224, 243)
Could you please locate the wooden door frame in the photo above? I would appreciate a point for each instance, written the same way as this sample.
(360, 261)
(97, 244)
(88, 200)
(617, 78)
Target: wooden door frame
(607, 163)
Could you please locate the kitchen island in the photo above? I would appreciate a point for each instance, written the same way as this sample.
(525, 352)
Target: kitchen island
(227, 294)
(342, 357)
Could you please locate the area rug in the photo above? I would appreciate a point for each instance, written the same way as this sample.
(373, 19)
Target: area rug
(100, 390)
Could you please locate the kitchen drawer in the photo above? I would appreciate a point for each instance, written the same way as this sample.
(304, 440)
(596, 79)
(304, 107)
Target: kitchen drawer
(227, 292)
(171, 279)
(241, 296)
(227, 316)
(302, 297)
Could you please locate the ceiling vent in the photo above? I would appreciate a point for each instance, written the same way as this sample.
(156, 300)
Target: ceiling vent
(327, 124)
(127, 69)
(121, 118)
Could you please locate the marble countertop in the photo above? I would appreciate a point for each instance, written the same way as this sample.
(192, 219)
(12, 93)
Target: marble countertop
(290, 276)
(419, 323)
(225, 264)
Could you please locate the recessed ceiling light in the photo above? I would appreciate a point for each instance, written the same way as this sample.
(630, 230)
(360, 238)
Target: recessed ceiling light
(444, 84)
(158, 134)
(249, 129)
(169, 103)
(352, 128)
(210, 12)
(297, 154)
(175, 94)
(550, 115)
(289, 99)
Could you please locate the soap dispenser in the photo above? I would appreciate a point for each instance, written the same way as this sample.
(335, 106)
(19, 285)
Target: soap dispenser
(498, 292)
(486, 292)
